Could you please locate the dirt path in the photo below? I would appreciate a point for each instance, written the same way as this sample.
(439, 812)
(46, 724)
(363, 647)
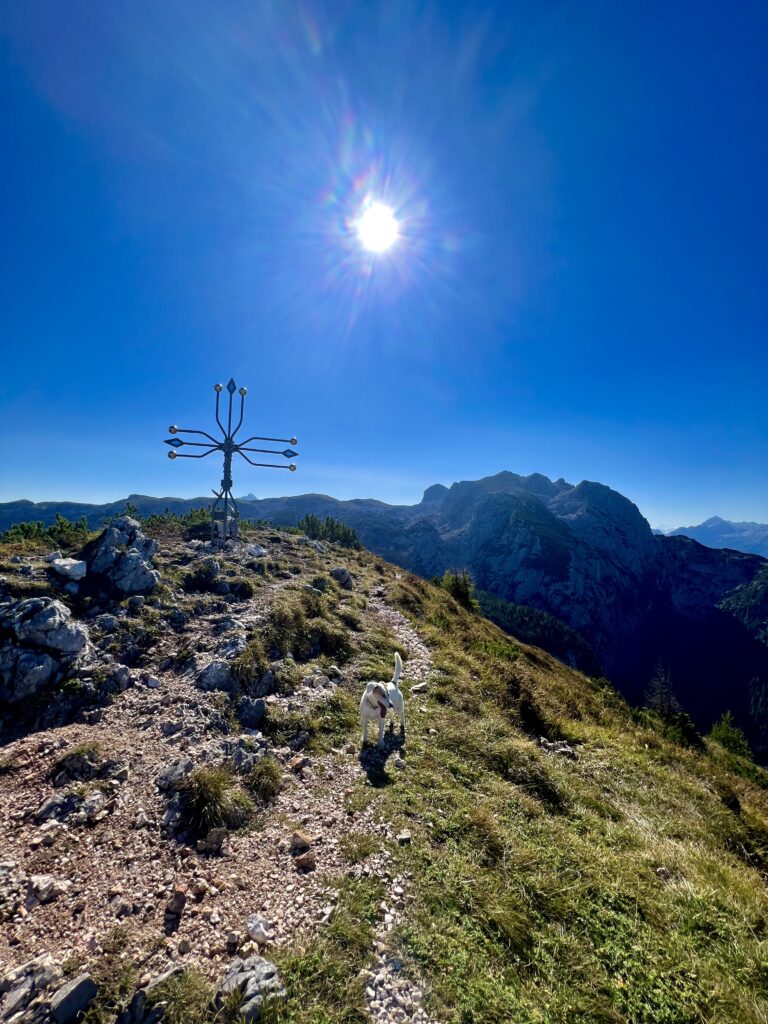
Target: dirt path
(391, 994)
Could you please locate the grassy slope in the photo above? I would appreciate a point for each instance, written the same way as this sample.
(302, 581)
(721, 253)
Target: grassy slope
(537, 896)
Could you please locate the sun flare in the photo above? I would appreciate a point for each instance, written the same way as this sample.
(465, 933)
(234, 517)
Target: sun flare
(377, 227)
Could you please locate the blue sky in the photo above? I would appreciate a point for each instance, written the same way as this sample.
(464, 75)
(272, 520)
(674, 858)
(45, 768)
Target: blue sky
(579, 287)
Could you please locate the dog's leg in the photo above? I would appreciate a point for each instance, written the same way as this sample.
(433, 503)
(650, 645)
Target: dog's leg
(381, 732)
(365, 731)
(402, 721)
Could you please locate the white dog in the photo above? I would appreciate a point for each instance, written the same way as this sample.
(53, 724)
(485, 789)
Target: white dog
(378, 699)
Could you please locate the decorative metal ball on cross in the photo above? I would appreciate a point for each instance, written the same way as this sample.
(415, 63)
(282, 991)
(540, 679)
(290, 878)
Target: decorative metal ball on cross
(225, 514)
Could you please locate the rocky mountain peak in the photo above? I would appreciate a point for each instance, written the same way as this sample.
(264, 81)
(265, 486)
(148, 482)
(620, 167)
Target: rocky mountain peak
(603, 517)
(434, 493)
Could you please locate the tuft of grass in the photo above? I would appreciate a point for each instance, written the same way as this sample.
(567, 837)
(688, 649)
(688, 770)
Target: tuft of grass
(351, 619)
(115, 978)
(241, 588)
(204, 578)
(213, 798)
(251, 664)
(186, 998)
(357, 846)
(289, 632)
(265, 781)
(88, 751)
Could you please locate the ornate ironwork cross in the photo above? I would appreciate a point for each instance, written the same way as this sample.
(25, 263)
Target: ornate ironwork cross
(225, 514)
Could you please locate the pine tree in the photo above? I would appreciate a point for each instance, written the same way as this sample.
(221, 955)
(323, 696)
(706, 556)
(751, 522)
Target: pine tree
(660, 696)
(461, 588)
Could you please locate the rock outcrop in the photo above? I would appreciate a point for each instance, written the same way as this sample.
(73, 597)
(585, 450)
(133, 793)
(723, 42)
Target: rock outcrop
(40, 644)
(257, 982)
(122, 557)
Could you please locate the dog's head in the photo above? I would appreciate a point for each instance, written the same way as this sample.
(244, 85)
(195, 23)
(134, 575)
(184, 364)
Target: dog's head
(376, 694)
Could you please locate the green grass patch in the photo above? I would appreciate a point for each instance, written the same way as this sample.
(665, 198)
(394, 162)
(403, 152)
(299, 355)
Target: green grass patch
(264, 781)
(322, 973)
(328, 722)
(357, 846)
(213, 798)
(115, 978)
(186, 999)
(289, 632)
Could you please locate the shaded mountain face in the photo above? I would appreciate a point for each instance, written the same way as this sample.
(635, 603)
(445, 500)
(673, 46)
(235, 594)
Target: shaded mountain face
(582, 554)
(720, 533)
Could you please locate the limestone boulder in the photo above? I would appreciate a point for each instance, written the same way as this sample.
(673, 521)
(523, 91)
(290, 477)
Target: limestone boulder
(69, 568)
(44, 622)
(216, 675)
(39, 645)
(122, 555)
(257, 982)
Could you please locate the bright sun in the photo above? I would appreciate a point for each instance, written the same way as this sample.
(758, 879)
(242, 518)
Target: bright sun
(377, 227)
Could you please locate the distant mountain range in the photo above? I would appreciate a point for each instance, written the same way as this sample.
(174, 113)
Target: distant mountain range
(610, 596)
(720, 533)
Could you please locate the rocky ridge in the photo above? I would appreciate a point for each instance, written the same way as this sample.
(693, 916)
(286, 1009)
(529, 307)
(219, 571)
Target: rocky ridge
(94, 840)
(582, 554)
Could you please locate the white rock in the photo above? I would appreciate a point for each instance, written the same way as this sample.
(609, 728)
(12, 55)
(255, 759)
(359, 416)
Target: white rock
(258, 929)
(71, 568)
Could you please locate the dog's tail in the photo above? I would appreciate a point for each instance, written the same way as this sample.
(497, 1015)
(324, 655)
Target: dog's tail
(398, 670)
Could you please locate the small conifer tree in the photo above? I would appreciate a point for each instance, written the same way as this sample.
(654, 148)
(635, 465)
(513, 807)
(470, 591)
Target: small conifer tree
(729, 735)
(660, 696)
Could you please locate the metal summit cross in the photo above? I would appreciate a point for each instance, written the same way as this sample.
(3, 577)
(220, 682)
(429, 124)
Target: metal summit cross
(224, 511)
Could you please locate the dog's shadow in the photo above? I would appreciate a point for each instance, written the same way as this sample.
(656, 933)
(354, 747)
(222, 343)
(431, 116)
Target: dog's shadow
(373, 759)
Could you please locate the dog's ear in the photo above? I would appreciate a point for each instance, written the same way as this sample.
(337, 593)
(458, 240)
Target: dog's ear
(369, 687)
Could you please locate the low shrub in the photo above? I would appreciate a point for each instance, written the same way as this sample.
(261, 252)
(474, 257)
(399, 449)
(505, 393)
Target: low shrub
(728, 735)
(63, 533)
(330, 530)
